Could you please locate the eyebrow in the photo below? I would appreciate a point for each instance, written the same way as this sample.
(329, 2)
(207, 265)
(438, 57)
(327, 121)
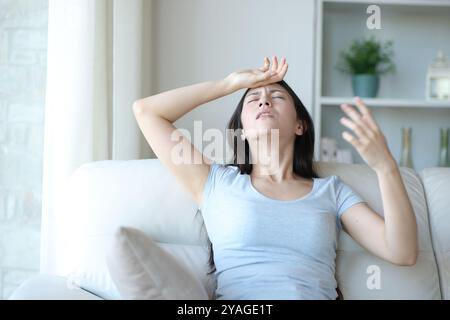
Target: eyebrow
(258, 92)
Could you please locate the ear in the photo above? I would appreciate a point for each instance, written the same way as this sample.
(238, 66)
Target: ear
(301, 128)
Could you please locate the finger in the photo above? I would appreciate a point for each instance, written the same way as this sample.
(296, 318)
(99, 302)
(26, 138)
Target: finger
(282, 73)
(266, 65)
(351, 139)
(284, 70)
(358, 129)
(367, 115)
(266, 75)
(275, 63)
(282, 64)
(274, 76)
(351, 112)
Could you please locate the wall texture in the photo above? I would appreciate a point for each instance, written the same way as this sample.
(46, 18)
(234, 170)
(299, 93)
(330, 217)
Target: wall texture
(201, 40)
(23, 45)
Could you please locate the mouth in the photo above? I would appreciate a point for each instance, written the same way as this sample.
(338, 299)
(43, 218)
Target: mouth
(265, 114)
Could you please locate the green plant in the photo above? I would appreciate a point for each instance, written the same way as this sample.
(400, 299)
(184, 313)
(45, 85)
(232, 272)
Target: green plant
(367, 56)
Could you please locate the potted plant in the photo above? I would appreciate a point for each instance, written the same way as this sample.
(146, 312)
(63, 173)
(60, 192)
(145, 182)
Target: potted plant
(366, 60)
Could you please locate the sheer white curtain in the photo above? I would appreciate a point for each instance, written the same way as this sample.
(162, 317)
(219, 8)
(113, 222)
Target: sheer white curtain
(96, 69)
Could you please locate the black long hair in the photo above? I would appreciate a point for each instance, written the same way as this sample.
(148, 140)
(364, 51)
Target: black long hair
(303, 164)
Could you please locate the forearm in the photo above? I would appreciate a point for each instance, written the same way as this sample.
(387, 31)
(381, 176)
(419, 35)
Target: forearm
(400, 224)
(172, 105)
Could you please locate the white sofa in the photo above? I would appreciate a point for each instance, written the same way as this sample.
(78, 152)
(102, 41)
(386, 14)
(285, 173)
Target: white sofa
(142, 194)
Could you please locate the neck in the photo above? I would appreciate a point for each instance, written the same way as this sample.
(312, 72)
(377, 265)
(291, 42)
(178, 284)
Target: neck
(273, 162)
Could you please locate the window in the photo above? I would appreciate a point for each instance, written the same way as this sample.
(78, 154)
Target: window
(23, 54)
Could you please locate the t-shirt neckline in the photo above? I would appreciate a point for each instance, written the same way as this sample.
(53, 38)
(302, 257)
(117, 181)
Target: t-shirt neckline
(249, 181)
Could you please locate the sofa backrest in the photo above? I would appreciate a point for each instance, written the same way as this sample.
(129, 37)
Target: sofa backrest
(437, 190)
(107, 194)
(357, 270)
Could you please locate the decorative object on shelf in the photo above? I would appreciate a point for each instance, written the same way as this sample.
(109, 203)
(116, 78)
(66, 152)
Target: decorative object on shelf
(365, 85)
(366, 60)
(328, 149)
(438, 78)
(330, 153)
(406, 157)
(444, 160)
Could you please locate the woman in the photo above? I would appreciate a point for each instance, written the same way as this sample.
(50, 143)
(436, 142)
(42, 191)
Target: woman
(273, 223)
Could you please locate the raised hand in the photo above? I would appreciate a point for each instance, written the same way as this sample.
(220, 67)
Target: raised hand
(369, 141)
(253, 78)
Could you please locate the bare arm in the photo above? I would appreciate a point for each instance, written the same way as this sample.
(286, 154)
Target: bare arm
(395, 237)
(156, 114)
(172, 105)
(400, 228)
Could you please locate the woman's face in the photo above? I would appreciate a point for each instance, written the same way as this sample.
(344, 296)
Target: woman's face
(269, 107)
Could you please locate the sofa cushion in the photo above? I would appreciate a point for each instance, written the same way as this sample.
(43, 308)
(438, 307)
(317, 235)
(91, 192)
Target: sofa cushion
(104, 195)
(91, 271)
(436, 182)
(141, 270)
(360, 274)
(56, 288)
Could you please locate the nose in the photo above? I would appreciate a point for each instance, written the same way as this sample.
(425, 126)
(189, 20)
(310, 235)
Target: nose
(264, 101)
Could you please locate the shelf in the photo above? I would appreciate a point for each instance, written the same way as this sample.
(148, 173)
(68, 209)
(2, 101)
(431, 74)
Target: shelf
(410, 3)
(387, 103)
(418, 29)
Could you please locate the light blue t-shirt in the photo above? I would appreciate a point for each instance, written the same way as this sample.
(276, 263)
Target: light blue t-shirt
(273, 249)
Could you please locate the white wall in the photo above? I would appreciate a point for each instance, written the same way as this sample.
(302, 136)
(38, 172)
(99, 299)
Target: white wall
(200, 40)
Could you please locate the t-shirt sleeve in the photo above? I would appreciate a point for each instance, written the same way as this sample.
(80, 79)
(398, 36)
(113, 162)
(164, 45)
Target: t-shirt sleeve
(346, 197)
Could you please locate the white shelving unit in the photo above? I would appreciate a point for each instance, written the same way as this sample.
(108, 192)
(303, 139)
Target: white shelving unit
(386, 103)
(418, 28)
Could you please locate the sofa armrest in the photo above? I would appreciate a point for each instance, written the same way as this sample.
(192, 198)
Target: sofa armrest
(50, 287)
(436, 182)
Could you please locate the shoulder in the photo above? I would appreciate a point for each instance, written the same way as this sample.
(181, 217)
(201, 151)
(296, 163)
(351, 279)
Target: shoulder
(329, 180)
(222, 174)
(223, 170)
(332, 180)
(335, 185)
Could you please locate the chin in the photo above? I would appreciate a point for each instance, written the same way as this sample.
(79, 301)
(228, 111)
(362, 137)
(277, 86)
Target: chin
(260, 131)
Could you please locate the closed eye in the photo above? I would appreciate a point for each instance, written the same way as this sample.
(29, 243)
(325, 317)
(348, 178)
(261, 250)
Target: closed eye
(257, 99)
